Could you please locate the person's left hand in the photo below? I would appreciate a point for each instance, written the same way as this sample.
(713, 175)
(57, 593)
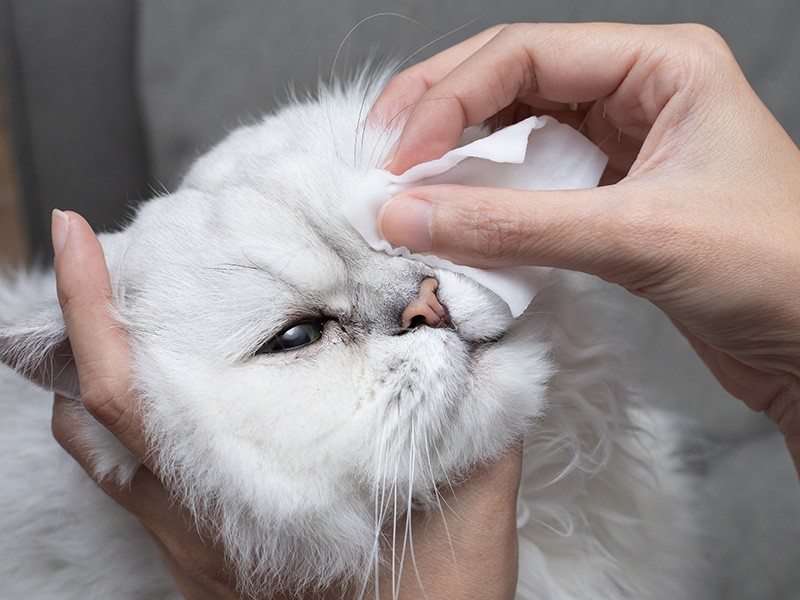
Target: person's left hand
(471, 555)
(102, 355)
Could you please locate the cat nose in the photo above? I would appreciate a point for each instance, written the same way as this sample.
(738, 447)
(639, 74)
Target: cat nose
(425, 309)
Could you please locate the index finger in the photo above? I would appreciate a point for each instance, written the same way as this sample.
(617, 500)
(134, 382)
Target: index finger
(99, 344)
(406, 88)
(564, 63)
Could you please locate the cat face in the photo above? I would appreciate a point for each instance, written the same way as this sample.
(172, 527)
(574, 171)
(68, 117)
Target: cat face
(288, 405)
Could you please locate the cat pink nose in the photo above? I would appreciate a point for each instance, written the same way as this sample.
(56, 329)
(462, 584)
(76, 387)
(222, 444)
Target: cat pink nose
(425, 309)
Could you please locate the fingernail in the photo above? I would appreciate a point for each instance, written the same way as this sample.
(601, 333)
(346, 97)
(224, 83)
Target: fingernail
(59, 230)
(406, 221)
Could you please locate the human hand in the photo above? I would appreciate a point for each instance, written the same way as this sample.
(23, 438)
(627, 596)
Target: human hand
(467, 551)
(702, 212)
(102, 357)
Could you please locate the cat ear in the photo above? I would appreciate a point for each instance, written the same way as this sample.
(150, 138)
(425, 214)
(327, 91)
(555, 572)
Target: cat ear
(33, 341)
(33, 336)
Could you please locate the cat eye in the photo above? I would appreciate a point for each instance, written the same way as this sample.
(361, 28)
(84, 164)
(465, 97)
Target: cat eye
(296, 336)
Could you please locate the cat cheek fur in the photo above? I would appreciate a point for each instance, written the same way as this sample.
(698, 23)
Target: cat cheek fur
(274, 486)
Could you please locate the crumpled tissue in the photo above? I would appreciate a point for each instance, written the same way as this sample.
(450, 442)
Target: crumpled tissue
(538, 153)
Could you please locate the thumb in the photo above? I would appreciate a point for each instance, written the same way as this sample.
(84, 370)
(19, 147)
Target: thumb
(600, 231)
(99, 344)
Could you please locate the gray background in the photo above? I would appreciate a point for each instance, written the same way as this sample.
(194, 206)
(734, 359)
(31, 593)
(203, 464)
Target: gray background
(111, 99)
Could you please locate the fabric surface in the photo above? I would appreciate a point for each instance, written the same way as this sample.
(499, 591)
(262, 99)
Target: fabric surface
(534, 154)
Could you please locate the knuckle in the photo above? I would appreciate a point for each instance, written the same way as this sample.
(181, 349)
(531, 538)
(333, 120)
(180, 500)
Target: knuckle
(647, 247)
(521, 59)
(706, 42)
(702, 33)
(496, 29)
(497, 233)
(105, 399)
(514, 30)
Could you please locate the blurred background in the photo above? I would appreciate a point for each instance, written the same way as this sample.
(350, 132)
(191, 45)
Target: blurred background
(14, 248)
(105, 102)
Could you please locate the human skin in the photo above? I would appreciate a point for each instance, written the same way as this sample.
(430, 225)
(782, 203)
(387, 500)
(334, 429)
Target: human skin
(700, 208)
(699, 216)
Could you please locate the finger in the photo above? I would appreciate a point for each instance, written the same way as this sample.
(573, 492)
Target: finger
(145, 496)
(602, 231)
(195, 560)
(99, 344)
(408, 86)
(68, 425)
(562, 63)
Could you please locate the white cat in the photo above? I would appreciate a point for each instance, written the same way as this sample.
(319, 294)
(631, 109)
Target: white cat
(297, 410)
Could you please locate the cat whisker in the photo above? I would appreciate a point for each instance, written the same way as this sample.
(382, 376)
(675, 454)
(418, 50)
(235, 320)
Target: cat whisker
(379, 507)
(609, 136)
(434, 41)
(339, 52)
(409, 493)
(449, 484)
(395, 575)
(381, 67)
(391, 73)
(355, 27)
(439, 499)
(409, 522)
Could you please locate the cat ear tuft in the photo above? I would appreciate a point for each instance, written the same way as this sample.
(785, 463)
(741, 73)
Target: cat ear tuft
(33, 336)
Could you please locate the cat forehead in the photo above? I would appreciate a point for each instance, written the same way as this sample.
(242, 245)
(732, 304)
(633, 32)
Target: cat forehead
(268, 196)
(240, 229)
(314, 151)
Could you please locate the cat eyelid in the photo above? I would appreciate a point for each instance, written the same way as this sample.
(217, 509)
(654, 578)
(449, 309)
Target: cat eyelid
(298, 334)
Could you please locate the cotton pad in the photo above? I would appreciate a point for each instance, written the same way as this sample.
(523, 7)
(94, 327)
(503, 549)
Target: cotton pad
(538, 153)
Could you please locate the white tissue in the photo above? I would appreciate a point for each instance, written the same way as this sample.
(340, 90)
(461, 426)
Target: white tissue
(538, 153)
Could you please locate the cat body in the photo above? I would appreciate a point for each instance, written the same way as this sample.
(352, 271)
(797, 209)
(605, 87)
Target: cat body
(300, 459)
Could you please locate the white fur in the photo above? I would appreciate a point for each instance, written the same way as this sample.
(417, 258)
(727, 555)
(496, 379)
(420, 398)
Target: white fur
(299, 460)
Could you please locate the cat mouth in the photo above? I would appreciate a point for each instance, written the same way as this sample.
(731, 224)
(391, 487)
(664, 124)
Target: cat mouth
(473, 344)
(472, 347)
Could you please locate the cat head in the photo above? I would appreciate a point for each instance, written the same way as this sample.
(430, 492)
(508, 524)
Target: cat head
(295, 402)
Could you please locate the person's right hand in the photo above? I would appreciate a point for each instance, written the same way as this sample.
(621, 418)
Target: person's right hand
(702, 216)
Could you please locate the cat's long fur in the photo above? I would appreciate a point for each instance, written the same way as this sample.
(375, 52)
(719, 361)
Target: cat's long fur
(300, 460)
